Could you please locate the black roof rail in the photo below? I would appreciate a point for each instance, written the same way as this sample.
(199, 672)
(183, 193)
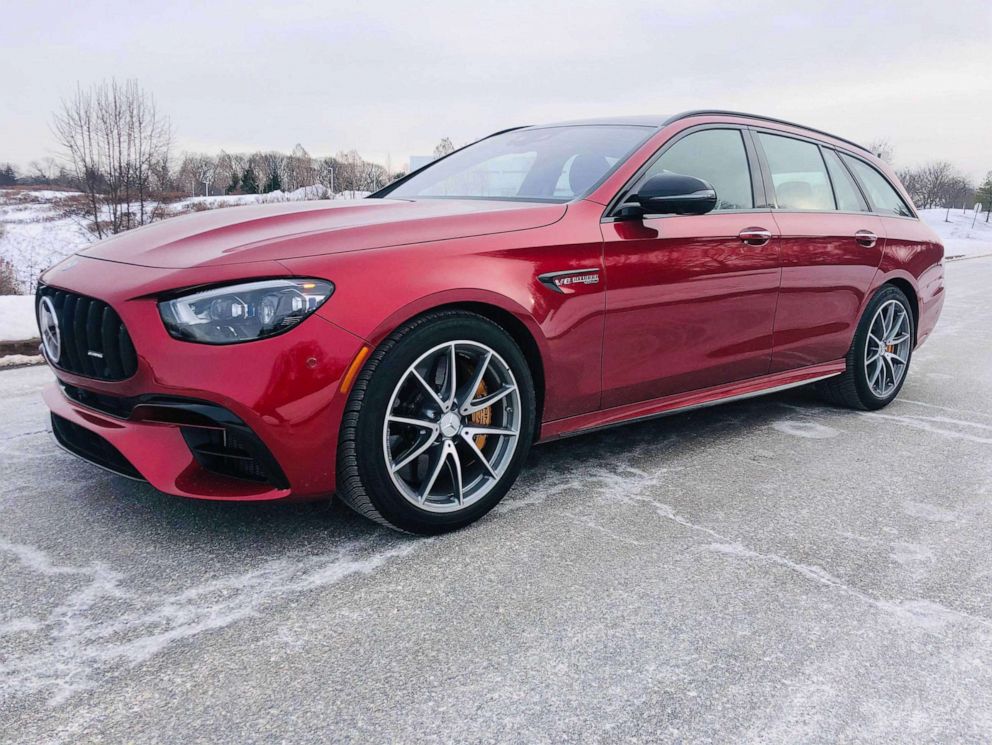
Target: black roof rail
(722, 112)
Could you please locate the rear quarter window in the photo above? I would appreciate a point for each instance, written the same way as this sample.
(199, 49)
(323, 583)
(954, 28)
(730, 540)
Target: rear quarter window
(882, 195)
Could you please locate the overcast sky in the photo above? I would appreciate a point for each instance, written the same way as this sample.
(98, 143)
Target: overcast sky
(390, 78)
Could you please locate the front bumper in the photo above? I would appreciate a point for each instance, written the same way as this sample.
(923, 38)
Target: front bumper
(251, 421)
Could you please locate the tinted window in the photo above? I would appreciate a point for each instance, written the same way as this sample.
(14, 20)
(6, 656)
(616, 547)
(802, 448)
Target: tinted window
(846, 191)
(550, 163)
(883, 197)
(716, 156)
(798, 174)
(573, 181)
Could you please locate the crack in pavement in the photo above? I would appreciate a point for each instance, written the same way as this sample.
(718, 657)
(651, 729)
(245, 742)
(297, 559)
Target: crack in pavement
(627, 484)
(103, 623)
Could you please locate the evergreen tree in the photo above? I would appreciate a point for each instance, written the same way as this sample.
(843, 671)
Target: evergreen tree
(249, 181)
(273, 183)
(984, 195)
(235, 183)
(8, 177)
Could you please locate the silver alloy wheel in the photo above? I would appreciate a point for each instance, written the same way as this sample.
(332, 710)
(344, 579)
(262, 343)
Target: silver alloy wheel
(452, 426)
(51, 337)
(887, 348)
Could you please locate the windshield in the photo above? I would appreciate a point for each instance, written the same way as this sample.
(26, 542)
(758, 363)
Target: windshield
(550, 164)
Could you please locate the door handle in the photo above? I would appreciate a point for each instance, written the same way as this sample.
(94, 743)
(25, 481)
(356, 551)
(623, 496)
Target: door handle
(866, 238)
(755, 236)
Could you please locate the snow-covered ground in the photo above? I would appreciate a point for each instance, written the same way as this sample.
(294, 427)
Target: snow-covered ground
(17, 318)
(36, 232)
(960, 238)
(20, 360)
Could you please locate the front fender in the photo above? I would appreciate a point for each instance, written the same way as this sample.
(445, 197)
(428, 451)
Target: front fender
(378, 290)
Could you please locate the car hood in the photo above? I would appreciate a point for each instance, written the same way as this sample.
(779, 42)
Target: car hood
(286, 230)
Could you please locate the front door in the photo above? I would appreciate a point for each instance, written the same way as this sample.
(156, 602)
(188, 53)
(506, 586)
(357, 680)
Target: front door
(690, 300)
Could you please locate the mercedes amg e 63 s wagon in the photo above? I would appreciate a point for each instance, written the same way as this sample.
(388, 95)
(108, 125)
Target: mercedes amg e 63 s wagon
(404, 351)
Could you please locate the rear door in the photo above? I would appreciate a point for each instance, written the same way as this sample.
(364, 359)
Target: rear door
(831, 247)
(690, 299)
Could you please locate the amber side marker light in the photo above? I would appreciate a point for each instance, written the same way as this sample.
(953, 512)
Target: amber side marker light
(356, 365)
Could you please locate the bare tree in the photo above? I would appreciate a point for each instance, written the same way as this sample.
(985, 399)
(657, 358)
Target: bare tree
(113, 137)
(326, 174)
(228, 172)
(936, 184)
(444, 147)
(196, 173)
(882, 148)
(300, 172)
(9, 285)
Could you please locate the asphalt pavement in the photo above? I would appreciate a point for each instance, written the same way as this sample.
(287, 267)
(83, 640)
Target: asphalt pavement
(772, 571)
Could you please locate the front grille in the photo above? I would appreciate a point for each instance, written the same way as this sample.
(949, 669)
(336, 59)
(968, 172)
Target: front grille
(90, 446)
(94, 341)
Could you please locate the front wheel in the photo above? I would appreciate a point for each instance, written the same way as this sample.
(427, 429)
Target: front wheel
(438, 424)
(879, 358)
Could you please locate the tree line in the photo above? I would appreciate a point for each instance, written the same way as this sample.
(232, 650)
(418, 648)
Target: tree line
(936, 183)
(116, 147)
(200, 174)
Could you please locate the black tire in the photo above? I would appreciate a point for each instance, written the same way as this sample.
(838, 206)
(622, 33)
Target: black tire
(363, 482)
(852, 389)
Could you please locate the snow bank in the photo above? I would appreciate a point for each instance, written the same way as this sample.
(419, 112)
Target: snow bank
(17, 322)
(20, 360)
(36, 231)
(960, 239)
(317, 191)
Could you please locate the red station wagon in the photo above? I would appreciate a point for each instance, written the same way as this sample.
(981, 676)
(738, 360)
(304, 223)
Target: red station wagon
(406, 350)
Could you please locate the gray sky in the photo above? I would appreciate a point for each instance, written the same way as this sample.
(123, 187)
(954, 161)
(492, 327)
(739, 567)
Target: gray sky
(390, 78)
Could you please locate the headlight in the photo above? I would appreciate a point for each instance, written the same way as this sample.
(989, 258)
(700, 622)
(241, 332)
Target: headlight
(236, 313)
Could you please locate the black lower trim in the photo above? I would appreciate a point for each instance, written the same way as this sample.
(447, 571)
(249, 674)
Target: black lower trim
(218, 439)
(91, 447)
(237, 453)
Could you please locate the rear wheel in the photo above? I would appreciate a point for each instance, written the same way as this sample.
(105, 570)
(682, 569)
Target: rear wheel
(879, 358)
(438, 424)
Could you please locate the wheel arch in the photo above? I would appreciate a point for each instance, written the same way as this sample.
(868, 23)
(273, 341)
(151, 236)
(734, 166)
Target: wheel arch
(914, 302)
(502, 311)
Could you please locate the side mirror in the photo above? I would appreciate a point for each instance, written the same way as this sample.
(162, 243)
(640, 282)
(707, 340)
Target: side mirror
(675, 194)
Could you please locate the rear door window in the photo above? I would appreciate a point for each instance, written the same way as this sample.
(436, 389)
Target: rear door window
(798, 172)
(884, 198)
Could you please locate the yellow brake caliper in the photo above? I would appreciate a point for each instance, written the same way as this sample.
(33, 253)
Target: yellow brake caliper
(482, 417)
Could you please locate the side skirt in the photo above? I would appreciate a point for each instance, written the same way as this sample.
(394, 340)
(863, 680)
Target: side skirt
(681, 402)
